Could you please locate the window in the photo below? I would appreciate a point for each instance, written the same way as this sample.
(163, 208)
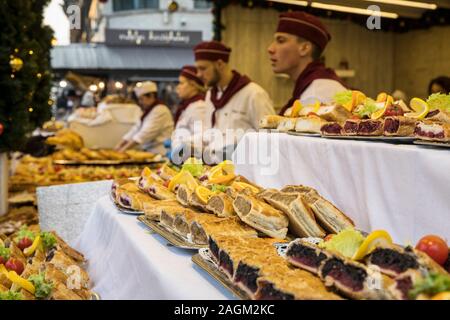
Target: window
(120, 5)
(202, 4)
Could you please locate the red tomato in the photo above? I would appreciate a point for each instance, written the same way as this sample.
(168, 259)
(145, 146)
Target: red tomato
(2, 261)
(24, 243)
(435, 247)
(14, 265)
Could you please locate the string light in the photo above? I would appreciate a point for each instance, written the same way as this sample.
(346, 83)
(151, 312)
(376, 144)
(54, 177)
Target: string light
(30, 52)
(12, 76)
(39, 75)
(30, 109)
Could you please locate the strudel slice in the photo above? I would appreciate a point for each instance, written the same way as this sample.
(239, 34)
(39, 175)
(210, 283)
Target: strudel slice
(331, 129)
(351, 127)
(305, 255)
(152, 210)
(287, 124)
(309, 124)
(261, 216)
(221, 205)
(433, 131)
(270, 121)
(158, 191)
(133, 200)
(369, 127)
(399, 126)
(439, 116)
(334, 113)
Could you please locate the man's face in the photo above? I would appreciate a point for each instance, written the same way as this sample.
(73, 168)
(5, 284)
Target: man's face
(285, 52)
(208, 72)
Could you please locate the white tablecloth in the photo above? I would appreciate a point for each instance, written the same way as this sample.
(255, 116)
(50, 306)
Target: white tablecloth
(404, 189)
(126, 262)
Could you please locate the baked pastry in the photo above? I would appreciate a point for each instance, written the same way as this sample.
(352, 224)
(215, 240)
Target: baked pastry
(309, 124)
(168, 215)
(166, 173)
(261, 216)
(139, 155)
(132, 200)
(354, 279)
(270, 121)
(182, 222)
(113, 155)
(399, 126)
(334, 113)
(369, 127)
(433, 131)
(306, 255)
(302, 222)
(439, 116)
(403, 283)
(331, 129)
(350, 127)
(198, 225)
(158, 191)
(393, 260)
(287, 124)
(91, 154)
(221, 205)
(152, 210)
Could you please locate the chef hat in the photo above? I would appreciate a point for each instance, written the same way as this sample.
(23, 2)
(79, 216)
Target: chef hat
(212, 51)
(145, 87)
(190, 72)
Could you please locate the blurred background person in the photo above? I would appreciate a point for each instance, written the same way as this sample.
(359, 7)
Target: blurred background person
(440, 84)
(155, 125)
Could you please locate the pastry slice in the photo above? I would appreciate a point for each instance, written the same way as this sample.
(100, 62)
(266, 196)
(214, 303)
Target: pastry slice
(152, 210)
(287, 124)
(270, 121)
(158, 191)
(147, 179)
(261, 216)
(61, 292)
(166, 173)
(334, 113)
(68, 250)
(182, 222)
(433, 131)
(168, 215)
(369, 127)
(305, 255)
(331, 129)
(354, 279)
(65, 264)
(350, 127)
(91, 154)
(221, 205)
(403, 283)
(399, 126)
(302, 221)
(309, 124)
(133, 200)
(438, 116)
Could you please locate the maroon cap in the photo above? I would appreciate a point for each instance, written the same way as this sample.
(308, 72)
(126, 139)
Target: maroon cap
(212, 51)
(190, 72)
(306, 26)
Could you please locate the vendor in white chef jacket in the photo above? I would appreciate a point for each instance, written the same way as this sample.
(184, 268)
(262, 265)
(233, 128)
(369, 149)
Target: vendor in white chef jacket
(155, 125)
(299, 41)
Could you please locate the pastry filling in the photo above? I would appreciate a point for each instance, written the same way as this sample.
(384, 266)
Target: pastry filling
(166, 219)
(217, 204)
(429, 133)
(213, 248)
(393, 260)
(198, 234)
(141, 182)
(182, 194)
(391, 125)
(247, 276)
(243, 205)
(404, 285)
(268, 291)
(332, 128)
(225, 263)
(125, 200)
(351, 127)
(305, 255)
(432, 113)
(347, 275)
(368, 126)
(181, 225)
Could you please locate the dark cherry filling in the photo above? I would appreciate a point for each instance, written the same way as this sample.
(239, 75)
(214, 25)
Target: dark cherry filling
(332, 128)
(141, 182)
(351, 127)
(125, 201)
(247, 276)
(268, 292)
(391, 125)
(428, 134)
(305, 255)
(226, 263)
(368, 126)
(152, 190)
(432, 113)
(393, 260)
(404, 285)
(350, 276)
(213, 248)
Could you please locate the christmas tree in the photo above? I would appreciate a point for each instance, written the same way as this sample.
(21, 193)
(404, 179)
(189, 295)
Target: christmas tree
(25, 78)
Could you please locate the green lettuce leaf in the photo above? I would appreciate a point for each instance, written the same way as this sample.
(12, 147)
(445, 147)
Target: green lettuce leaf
(432, 284)
(345, 242)
(5, 253)
(194, 166)
(343, 97)
(369, 107)
(48, 240)
(43, 288)
(25, 233)
(439, 101)
(219, 187)
(10, 295)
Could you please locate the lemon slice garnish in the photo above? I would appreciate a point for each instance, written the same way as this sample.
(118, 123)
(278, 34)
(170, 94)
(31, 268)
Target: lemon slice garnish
(420, 107)
(373, 240)
(296, 107)
(203, 193)
(183, 177)
(239, 186)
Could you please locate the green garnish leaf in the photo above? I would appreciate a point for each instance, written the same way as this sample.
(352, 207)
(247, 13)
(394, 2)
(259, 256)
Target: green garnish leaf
(369, 107)
(219, 187)
(194, 166)
(343, 97)
(11, 295)
(432, 284)
(48, 240)
(346, 242)
(43, 288)
(439, 101)
(5, 253)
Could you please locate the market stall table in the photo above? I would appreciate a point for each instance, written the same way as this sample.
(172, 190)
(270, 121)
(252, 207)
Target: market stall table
(403, 189)
(127, 262)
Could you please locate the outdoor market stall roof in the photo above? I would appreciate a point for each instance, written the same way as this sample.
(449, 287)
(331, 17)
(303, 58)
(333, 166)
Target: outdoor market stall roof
(101, 57)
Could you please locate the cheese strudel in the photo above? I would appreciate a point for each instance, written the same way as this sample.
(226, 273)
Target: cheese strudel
(270, 121)
(309, 124)
(261, 216)
(433, 131)
(334, 113)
